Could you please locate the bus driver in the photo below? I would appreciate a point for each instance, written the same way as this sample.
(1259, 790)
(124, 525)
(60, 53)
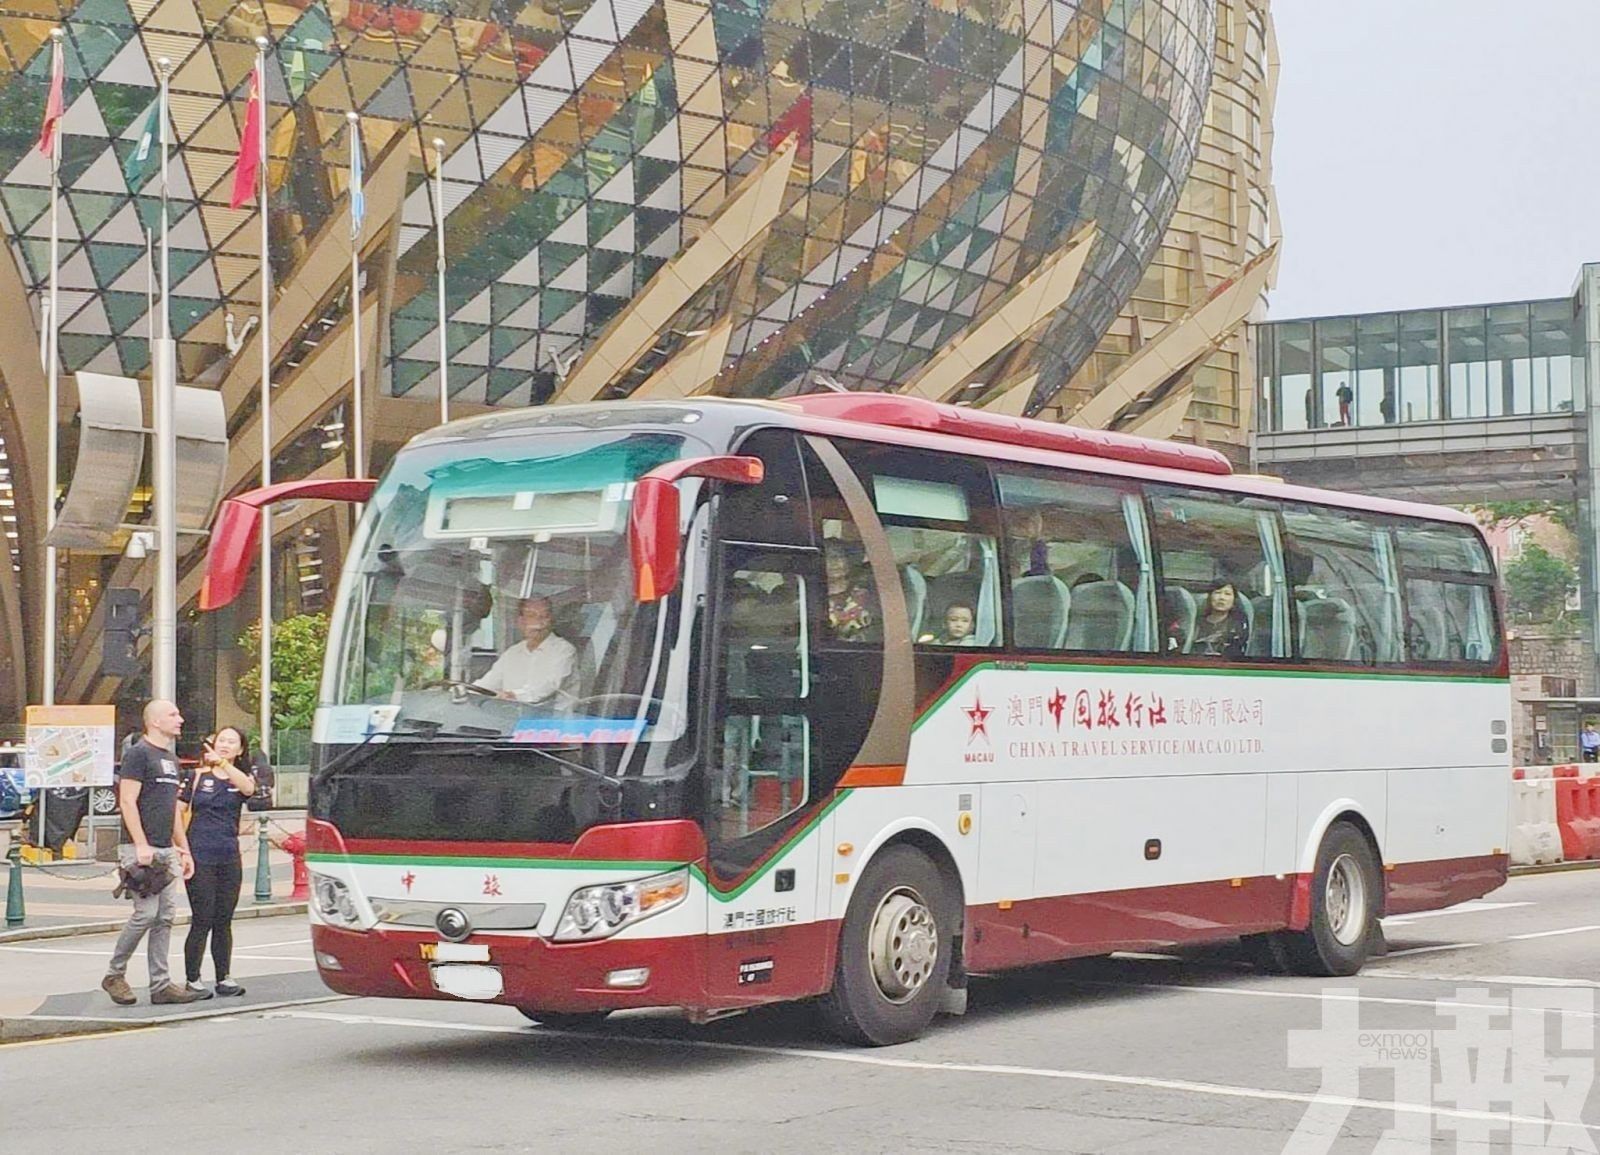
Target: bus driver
(537, 667)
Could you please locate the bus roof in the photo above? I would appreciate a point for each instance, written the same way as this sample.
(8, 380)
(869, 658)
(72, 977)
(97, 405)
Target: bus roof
(918, 426)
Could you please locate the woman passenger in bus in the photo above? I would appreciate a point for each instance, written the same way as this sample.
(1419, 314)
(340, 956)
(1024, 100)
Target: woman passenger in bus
(851, 614)
(1221, 631)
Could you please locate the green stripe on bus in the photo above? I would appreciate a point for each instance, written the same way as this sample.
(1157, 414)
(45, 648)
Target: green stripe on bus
(1199, 671)
(516, 862)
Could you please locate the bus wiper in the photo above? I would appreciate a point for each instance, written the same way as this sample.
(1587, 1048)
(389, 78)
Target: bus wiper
(522, 747)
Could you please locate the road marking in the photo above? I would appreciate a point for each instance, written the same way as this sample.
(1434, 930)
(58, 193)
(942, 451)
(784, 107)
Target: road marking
(1459, 908)
(1553, 933)
(859, 1058)
(1320, 996)
(1495, 980)
(52, 950)
(264, 945)
(244, 956)
(1432, 949)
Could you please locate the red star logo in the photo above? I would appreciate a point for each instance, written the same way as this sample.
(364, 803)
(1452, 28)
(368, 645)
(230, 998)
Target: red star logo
(978, 715)
(407, 879)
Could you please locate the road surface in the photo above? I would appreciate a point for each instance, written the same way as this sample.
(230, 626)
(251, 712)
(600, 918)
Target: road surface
(1193, 1053)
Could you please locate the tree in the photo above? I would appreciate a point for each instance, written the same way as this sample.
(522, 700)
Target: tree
(298, 646)
(1537, 584)
(1563, 513)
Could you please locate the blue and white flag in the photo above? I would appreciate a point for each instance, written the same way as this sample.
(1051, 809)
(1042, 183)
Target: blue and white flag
(358, 197)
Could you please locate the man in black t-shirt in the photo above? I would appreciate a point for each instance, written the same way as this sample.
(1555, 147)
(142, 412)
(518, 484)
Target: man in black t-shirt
(152, 835)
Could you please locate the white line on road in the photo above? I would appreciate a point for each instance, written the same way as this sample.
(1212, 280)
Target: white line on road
(1492, 980)
(1146, 956)
(242, 956)
(1459, 908)
(1183, 1086)
(263, 945)
(1553, 933)
(1323, 996)
(1432, 949)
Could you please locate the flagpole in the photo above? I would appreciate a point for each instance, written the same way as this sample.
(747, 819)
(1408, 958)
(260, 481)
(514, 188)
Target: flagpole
(164, 674)
(358, 462)
(262, 45)
(53, 398)
(444, 341)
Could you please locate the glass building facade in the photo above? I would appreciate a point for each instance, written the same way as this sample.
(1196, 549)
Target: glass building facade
(1478, 361)
(943, 150)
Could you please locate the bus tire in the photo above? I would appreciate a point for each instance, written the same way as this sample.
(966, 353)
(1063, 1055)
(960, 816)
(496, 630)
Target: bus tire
(895, 948)
(564, 1020)
(1345, 893)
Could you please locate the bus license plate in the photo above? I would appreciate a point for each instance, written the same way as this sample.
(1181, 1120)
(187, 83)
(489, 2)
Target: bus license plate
(455, 952)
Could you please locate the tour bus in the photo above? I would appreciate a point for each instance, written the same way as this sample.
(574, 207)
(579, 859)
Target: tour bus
(856, 695)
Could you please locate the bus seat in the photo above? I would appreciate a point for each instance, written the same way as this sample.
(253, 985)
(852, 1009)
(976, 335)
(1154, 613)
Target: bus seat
(1183, 612)
(916, 588)
(1327, 630)
(1429, 627)
(1040, 605)
(1101, 617)
(1258, 640)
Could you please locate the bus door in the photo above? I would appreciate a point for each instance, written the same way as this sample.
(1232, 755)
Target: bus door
(800, 668)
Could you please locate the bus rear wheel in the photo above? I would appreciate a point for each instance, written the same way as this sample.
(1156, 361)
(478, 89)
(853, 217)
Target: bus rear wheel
(1345, 897)
(894, 953)
(564, 1020)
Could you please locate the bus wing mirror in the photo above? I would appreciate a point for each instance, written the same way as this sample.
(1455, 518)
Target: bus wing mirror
(237, 527)
(653, 519)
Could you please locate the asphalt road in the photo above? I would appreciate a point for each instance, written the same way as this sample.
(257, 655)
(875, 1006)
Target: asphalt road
(1479, 1022)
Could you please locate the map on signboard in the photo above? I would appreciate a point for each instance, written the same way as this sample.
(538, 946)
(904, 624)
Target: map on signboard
(70, 746)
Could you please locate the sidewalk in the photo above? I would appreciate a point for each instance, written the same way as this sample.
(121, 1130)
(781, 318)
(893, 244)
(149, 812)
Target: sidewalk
(74, 896)
(52, 988)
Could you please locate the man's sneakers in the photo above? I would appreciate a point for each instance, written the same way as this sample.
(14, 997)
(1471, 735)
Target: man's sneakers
(117, 987)
(174, 994)
(227, 988)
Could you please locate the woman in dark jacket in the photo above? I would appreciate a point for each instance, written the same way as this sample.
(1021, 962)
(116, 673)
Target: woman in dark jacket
(216, 794)
(1221, 630)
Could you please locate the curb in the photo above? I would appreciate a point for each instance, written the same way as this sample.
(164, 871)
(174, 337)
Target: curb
(34, 1028)
(109, 926)
(1554, 868)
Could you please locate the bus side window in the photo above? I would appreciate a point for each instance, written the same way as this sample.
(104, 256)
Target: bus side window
(1449, 595)
(1221, 594)
(1079, 563)
(1347, 602)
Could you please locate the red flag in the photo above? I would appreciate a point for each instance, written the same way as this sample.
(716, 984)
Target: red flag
(248, 166)
(55, 105)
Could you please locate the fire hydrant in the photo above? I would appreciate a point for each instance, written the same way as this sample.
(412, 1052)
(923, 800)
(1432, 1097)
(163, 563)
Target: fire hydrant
(294, 845)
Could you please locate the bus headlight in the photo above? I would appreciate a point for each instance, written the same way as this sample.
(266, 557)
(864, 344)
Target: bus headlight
(597, 912)
(334, 901)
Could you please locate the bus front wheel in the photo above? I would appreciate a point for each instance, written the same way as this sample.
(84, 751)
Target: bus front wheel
(894, 951)
(564, 1020)
(1346, 892)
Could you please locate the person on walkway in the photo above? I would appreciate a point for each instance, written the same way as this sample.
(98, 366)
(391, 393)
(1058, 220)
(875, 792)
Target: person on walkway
(1589, 743)
(216, 794)
(152, 834)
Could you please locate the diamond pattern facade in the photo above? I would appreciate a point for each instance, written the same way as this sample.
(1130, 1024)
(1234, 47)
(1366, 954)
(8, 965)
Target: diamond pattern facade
(944, 149)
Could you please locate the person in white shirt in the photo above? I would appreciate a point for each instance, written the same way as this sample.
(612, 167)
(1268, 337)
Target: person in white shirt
(537, 667)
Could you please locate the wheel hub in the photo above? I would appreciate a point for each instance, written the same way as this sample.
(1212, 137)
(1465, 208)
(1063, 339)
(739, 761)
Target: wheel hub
(1345, 900)
(904, 945)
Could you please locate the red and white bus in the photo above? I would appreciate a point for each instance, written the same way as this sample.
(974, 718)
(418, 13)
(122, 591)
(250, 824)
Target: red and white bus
(861, 694)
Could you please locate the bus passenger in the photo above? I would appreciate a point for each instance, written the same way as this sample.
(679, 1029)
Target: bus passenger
(959, 620)
(537, 667)
(850, 609)
(1222, 630)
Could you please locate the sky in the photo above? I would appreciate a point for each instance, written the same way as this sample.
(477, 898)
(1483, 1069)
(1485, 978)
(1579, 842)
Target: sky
(1434, 152)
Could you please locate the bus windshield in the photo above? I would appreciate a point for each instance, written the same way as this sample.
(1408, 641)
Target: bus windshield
(490, 598)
